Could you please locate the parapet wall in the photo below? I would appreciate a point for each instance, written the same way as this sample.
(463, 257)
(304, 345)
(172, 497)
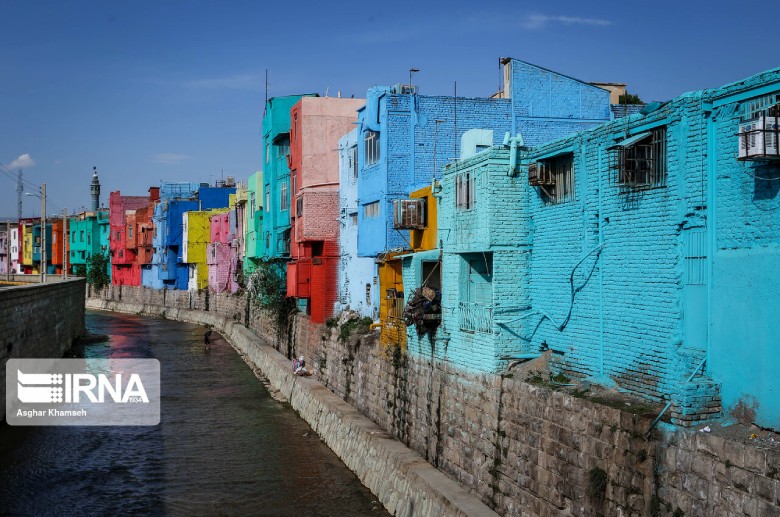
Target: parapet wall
(39, 320)
(523, 449)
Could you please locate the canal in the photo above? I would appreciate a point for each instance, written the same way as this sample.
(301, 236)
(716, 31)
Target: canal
(223, 446)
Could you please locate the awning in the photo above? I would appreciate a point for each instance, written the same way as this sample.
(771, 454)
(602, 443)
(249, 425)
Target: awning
(554, 154)
(422, 255)
(628, 142)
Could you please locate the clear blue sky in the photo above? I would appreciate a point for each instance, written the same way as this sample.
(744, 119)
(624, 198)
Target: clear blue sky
(173, 90)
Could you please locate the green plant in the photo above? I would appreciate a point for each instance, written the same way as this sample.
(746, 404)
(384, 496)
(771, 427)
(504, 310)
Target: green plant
(599, 479)
(267, 290)
(80, 270)
(678, 513)
(331, 322)
(354, 325)
(97, 270)
(629, 98)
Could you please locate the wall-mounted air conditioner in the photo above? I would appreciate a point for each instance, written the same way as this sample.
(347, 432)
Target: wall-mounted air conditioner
(408, 214)
(759, 138)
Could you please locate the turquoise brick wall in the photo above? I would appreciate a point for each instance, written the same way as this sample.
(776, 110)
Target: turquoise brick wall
(638, 320)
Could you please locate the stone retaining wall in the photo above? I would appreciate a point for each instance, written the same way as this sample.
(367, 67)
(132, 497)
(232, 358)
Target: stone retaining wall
(522, 448)
(39, 320)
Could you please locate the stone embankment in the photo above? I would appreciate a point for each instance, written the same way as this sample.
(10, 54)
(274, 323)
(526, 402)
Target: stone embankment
(521, 446)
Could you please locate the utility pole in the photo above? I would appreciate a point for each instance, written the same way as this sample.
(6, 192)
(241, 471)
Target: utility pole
(43, 233)
(65, 243)
(19, 191)
(8, 250)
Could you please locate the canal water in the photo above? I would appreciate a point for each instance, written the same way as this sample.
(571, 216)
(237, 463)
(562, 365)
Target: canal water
(223, 446)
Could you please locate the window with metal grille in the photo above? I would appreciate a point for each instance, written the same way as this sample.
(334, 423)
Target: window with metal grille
(465, 191)
(371, 147)
(284, 199)
(639, 161)
(408, 214)
(555, 178)
(371, 209)
(767, 105)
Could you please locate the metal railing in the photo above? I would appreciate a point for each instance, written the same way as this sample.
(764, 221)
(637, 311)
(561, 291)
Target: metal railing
(475, 317)
(395, 308)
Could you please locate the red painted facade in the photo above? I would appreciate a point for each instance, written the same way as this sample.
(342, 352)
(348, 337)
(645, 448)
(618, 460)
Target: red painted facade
(316, 125)
(125, 269)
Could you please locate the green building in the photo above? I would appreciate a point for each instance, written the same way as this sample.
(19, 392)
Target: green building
(88, 234)
(254, 222)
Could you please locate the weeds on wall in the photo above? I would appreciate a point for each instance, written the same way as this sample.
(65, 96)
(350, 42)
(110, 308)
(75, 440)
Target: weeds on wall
(267, 289)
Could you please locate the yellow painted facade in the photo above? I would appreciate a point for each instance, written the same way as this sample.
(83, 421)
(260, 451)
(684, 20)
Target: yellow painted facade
(27, 244)
(391, 282)
(195, 238)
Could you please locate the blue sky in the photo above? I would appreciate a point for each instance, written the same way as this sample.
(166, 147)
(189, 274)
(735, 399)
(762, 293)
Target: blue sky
(173, 90)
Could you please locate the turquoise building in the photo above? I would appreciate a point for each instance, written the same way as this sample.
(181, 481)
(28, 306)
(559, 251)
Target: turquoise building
(641, 254)
(275, 236)
(254, 222)
(88, 234)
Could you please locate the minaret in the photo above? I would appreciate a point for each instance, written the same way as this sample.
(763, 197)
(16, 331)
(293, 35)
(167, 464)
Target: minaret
(94, 189)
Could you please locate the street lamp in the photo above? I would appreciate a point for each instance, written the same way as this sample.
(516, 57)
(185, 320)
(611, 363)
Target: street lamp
(42, 196)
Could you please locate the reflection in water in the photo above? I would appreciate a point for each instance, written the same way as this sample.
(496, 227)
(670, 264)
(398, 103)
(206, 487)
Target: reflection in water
(223, 446)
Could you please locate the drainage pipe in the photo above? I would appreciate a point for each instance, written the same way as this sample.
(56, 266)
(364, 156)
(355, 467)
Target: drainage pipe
(669, 404)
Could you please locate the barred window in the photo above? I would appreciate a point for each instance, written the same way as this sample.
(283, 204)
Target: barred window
(555, 178)
(371, 147)
(465, 191)
(353, 162)
(640, 161)
(765, 105)
(267, 198)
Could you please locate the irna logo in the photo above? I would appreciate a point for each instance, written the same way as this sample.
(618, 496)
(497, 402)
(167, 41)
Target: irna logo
(43, 388)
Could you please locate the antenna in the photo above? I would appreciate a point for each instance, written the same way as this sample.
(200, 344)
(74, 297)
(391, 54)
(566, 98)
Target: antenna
(455, 105)
(266, 91)
(19, 192)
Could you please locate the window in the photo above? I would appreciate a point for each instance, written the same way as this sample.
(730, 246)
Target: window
(465, 191)
(371, 209)
(371, 147)
(267, 240)
(267, 198)
(640, 161)
(130, 231)
(555, 179)
(299, 206)
(353, 162)
(479, 288)
(251, 205)
(353, 219)
(476, 296)
(268, 152)
(284, 202)
(282, 147)
(118, 235)
(766, 105)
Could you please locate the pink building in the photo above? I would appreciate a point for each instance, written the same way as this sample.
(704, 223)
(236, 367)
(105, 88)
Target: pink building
(317, 123)
(222, 253)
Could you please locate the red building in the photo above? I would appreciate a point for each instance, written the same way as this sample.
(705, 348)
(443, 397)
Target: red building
(125, 269)
(316, 124)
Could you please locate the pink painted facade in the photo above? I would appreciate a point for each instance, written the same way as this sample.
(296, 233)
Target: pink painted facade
(222, 254)
(317, 123)
(125, 269)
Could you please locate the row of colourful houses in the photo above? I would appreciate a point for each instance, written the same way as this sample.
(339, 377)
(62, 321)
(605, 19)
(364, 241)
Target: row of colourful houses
(633, 246)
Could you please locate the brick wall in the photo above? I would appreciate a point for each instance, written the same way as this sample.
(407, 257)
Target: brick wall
(522, 448)
(38, 321)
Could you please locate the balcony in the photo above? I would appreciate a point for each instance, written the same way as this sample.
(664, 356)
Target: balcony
(475, 317)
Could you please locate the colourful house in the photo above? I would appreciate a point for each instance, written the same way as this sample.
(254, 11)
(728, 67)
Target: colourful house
(124, 266)
(357, 276)
(253, 249)
(417, 265)
(317, 124)
(196, 227)
(89, 234)
(275, 234)
(640, 254)
(222, 253)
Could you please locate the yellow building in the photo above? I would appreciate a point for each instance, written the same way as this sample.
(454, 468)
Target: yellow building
(27, 244)
(418, 214)
(196, 235)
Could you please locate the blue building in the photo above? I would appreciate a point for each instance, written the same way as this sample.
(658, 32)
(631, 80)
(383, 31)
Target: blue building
(168, 269)
(405, 138)
(641, 254)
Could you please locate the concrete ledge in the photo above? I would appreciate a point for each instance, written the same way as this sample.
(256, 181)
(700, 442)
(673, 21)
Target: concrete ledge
(401, 479)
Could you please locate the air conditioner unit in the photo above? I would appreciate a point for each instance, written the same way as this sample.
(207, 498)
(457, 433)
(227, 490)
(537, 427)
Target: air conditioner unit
(404, 89)
(759, 138)
(539, 175)
(408, 214)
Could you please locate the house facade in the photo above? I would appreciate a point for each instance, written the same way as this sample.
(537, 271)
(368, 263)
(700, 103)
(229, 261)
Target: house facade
(317, 123)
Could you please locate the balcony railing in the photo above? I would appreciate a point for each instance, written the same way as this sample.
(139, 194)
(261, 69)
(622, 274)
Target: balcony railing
(475, 317)
(395, 308)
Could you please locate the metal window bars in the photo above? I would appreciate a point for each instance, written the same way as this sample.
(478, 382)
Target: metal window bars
(640, 162)
(554, 177)
(759, 139)
(475, 317)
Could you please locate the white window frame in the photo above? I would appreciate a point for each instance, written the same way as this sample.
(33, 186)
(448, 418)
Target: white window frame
(371, 148)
